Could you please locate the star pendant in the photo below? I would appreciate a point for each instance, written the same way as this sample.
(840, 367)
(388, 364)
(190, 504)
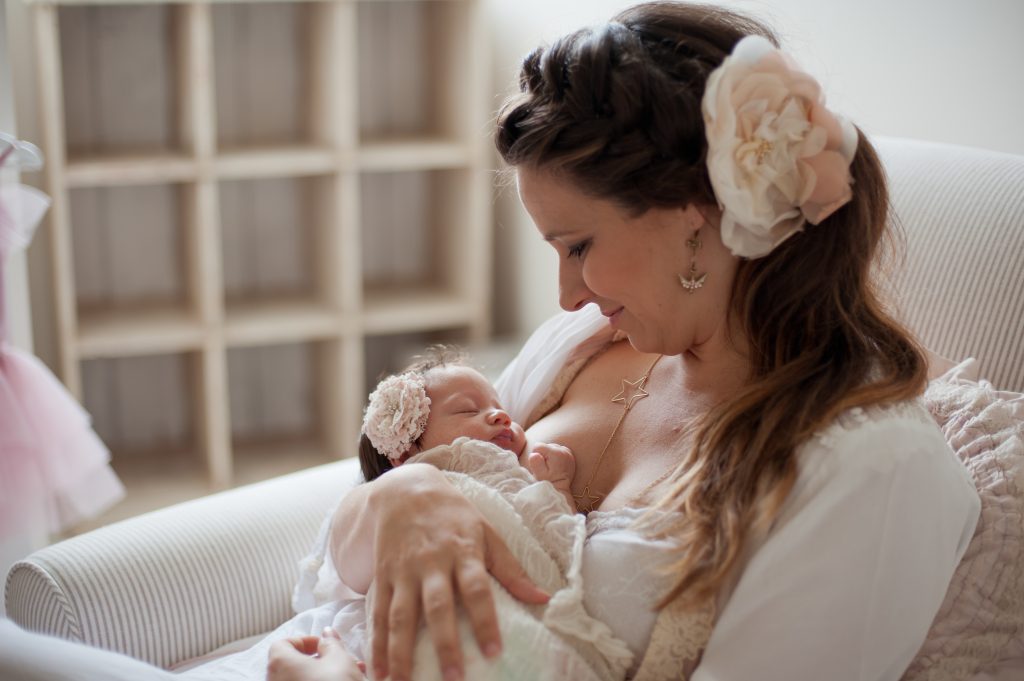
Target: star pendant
(631, 392)
(588, 498)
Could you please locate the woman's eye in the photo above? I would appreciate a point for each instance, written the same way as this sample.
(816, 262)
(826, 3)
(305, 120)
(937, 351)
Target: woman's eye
(577, 250)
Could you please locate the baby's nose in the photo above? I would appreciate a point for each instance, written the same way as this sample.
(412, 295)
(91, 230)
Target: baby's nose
(500, 416)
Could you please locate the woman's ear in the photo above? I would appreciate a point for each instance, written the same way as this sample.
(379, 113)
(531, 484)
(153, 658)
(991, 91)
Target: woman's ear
(710, 214)
(693, 217)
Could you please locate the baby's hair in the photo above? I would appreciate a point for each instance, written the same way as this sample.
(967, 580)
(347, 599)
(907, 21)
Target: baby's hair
(373, 463)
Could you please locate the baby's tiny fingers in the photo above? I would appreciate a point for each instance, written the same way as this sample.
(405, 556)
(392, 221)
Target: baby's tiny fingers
(537, 464)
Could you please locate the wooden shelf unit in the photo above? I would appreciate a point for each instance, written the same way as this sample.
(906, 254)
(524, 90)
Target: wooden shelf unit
(248, 187)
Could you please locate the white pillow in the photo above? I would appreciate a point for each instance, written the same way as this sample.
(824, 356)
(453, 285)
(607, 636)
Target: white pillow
(978, 629)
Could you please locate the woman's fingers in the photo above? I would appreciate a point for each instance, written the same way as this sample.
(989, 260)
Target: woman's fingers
(291, 659)
(502, 564)
(333, 635)
(439, 611)
(381, 623)
(402, 623)
(475, 588)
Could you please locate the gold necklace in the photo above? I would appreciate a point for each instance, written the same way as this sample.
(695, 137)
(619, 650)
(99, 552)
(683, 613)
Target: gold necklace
(631, 393)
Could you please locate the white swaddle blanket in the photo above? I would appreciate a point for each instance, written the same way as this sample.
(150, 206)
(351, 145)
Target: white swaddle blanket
(556, 641)
(559, 640)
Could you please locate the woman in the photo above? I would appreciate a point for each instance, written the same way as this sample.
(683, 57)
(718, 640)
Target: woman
(724, 222)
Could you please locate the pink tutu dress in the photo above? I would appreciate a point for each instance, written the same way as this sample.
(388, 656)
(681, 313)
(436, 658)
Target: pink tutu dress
(51, 460)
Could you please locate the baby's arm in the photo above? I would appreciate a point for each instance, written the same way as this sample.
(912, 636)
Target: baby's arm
(556, 464)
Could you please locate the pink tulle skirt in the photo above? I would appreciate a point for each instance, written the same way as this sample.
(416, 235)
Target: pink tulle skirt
(49, 454)
(47, 443)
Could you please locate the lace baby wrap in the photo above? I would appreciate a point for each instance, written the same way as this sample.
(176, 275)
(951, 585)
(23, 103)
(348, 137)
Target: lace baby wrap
(557, 641)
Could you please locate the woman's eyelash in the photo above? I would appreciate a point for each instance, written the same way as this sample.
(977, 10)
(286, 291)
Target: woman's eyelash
(577, 250)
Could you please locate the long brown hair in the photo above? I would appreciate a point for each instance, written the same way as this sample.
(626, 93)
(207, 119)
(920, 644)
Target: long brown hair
(617, 110)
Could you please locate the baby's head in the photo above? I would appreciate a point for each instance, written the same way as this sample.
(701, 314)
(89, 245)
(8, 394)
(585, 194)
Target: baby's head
(432, 402)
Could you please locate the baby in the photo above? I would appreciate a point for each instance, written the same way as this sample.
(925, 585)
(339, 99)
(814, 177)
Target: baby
(438, 399)
(441, 412)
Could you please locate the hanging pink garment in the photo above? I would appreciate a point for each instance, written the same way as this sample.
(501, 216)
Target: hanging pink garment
(47, 444)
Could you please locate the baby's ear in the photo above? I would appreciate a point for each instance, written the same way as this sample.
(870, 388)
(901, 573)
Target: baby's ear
(415, 449)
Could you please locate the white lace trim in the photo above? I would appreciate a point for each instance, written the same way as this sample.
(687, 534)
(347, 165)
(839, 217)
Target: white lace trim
(680, 633)
(856, 418)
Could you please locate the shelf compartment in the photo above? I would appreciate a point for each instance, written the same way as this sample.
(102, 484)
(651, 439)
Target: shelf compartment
(143, 406)
(273, 394)
(279, 321)
(270, 162)
(415, 69)
(128, 247)
(416, 231)
(262, 73)
(128, 169)
(146, 330)
(271, 229)
(121, 81)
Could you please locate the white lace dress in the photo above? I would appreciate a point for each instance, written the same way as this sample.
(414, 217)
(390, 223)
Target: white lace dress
(844, 585)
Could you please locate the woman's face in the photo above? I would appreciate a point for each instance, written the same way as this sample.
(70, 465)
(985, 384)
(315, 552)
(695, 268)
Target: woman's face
(464, 404)
(629, 266)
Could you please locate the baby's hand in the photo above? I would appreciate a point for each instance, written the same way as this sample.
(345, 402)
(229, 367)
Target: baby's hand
(554, 463)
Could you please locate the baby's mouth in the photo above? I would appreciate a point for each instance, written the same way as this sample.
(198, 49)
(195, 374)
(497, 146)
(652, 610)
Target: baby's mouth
(503, 439)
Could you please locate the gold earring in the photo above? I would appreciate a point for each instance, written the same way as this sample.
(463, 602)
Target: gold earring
(692, 282)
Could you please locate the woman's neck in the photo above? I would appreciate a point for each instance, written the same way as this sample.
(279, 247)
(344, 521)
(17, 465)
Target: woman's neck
(713, 371)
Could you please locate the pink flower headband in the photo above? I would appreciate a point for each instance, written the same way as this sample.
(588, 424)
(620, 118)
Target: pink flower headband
(776, 156)
(397, 414)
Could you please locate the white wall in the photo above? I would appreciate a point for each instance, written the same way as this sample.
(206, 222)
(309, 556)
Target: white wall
(942, 70)
(19, 327)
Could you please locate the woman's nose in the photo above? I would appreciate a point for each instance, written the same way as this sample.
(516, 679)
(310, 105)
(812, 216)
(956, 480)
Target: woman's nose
(572, 292)
(499, 416)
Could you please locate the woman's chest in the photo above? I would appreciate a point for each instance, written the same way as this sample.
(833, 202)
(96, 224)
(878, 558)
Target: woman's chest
(626, 432)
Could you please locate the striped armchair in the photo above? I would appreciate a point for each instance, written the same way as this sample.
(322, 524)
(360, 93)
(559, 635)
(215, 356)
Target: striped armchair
(176, 584)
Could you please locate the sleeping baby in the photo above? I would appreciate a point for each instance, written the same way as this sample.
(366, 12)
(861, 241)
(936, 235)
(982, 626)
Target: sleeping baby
(442, 412)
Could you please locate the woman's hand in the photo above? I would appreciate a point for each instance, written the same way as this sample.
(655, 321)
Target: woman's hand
(431, 547)
(291, 659)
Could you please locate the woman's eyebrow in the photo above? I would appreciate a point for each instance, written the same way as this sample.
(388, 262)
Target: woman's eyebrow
(557, 234)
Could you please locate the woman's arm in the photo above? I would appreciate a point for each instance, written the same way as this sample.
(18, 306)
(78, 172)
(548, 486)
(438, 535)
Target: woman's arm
(847, 584)
(426, 547)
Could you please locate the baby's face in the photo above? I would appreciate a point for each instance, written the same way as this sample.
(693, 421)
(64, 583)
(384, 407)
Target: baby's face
(464, 404)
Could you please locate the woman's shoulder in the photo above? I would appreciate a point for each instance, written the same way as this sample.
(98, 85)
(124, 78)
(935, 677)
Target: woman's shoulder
(887, 461)
(905, 423)
(881, 441)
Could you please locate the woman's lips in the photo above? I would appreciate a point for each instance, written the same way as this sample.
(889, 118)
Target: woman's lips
(613, 315)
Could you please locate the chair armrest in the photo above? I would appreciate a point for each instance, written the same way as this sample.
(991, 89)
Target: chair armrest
(177, 583)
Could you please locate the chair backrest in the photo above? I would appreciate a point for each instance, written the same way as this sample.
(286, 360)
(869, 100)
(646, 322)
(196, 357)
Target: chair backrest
(961, 287)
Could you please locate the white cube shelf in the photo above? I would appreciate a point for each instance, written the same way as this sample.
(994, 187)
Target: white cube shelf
(280, 199)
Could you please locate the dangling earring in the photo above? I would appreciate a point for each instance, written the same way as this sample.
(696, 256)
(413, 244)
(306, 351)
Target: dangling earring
(692, 282)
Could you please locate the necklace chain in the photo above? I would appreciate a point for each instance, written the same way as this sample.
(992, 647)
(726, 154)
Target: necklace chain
(631, 393)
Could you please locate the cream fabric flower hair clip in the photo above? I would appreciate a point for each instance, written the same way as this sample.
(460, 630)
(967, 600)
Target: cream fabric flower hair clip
(776, 156)
(397, 414)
